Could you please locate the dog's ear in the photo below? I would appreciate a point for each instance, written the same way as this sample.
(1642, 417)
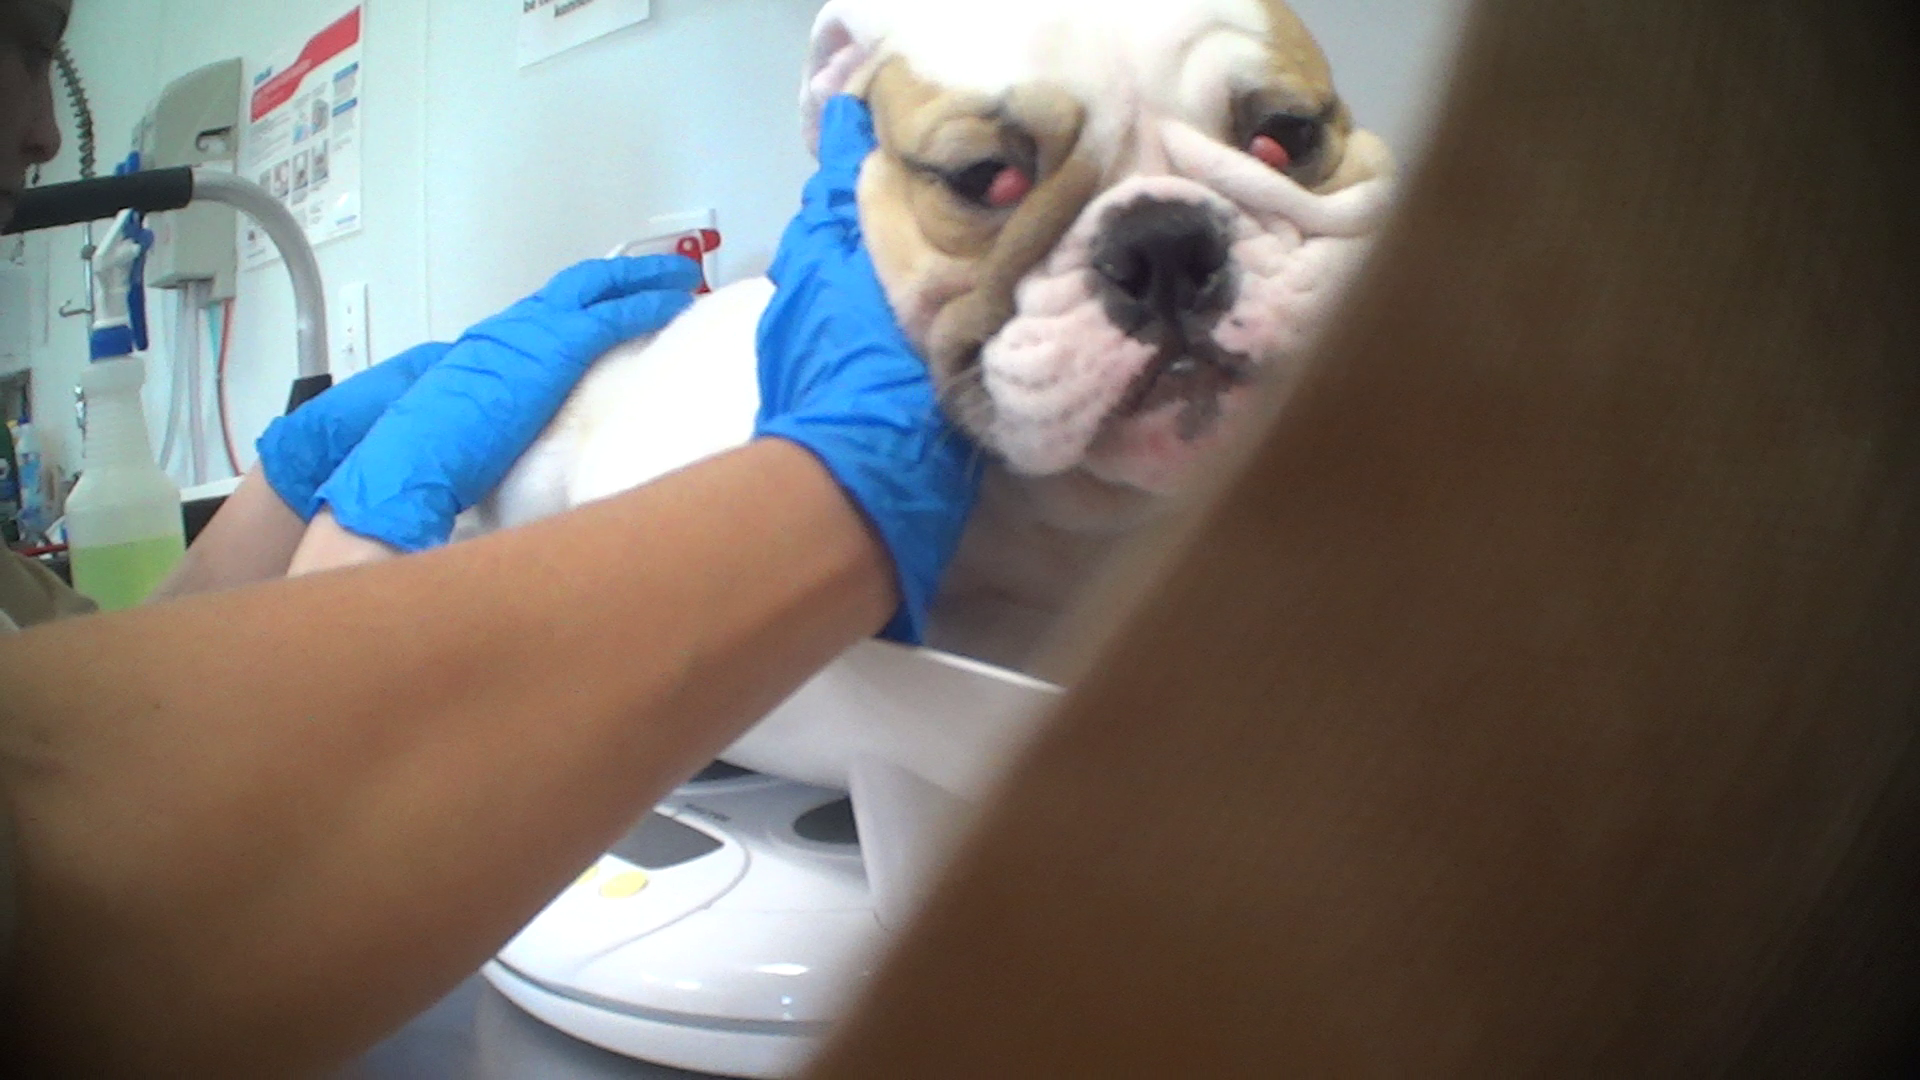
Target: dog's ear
(846, 36)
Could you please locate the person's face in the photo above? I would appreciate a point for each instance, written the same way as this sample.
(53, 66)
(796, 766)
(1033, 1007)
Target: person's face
(29, 135)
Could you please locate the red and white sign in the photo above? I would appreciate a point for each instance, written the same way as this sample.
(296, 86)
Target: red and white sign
(303, 134)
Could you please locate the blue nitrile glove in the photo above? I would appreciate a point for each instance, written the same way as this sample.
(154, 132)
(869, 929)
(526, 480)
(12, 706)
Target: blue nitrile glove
(300, 450)
(839, 377)
(450, 440)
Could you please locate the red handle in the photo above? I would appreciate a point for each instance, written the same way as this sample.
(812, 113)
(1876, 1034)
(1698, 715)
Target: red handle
(694, 248)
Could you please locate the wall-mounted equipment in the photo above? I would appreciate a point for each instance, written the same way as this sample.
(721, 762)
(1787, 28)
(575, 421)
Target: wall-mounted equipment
(195, 122)
(139, 551)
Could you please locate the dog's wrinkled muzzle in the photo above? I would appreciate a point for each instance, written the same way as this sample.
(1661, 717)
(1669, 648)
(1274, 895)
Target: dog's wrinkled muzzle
(1172, 294)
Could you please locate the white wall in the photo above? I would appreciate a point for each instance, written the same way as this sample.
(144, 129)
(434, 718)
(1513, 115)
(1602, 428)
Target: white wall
(1389, 59)
(127, 51)
(482, 180)
(534, 171)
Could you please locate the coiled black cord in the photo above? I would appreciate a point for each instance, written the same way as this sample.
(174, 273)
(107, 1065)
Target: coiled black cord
(82, 110)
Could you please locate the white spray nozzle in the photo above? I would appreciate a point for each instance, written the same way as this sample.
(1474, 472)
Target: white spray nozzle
(119, 308)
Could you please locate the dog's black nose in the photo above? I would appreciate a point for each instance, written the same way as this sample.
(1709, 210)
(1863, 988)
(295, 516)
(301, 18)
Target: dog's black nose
(1160, 261)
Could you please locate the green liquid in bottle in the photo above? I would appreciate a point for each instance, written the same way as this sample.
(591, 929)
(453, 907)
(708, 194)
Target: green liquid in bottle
(119, 576)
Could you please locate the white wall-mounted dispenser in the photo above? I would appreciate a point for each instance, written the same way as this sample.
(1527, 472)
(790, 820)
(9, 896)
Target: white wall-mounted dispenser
(196, 121)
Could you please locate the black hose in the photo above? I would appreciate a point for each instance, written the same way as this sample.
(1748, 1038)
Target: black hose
(93, 200)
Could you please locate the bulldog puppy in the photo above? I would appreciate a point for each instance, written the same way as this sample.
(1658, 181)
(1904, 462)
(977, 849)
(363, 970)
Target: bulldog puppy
(1106, 224)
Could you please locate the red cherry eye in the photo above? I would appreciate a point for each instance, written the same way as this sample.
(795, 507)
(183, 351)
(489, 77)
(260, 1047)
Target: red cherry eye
(1268, 149)
(994, 184)
(1284, 142)
(1008, 188)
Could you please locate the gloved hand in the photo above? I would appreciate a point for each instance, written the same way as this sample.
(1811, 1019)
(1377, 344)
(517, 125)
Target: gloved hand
(300, 450)
(839, 377)
(450, 439)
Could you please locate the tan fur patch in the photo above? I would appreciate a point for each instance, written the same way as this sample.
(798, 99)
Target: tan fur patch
(1297, 56)
(960, 261)
(1301, 83)
(952, 266)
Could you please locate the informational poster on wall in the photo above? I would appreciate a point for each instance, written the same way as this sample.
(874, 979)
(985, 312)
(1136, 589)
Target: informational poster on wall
(551, 27)
(303, 135)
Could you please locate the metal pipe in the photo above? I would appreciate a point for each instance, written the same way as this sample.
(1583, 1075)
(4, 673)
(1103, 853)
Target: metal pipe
(309, 296)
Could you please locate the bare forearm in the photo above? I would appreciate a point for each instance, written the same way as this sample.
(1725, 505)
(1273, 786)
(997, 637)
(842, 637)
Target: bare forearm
(255, 538)
(329, 546)
(252, 538)
(358, 754)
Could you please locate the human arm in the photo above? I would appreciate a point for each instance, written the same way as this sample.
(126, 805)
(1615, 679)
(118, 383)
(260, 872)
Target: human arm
(837, 376)
(255, 537)
(254, 534)
(403, 447)
(251, 538)
(418, 797)
(327, 545)
(231, 863)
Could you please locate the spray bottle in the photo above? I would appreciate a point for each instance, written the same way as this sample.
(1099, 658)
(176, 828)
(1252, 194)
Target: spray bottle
(124, 525)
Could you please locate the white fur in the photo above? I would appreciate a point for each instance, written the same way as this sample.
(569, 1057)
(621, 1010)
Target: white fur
(1156, 76)
(646, 409)
(1167, 59)
(1056, 371)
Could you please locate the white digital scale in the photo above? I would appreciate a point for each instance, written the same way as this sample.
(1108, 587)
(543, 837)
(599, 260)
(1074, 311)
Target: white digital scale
(731, 927)
(722, 934)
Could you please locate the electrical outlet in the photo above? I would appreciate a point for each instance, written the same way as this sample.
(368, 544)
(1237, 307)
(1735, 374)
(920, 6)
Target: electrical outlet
(350, 332)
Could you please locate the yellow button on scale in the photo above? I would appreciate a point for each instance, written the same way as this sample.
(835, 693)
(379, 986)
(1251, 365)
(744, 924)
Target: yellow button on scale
(624, 885)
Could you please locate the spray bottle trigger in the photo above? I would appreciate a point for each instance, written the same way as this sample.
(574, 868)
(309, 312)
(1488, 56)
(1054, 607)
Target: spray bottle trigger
(137, 284)
(119, 289)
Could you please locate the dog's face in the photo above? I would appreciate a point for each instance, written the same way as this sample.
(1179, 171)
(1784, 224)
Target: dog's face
(1105, 221)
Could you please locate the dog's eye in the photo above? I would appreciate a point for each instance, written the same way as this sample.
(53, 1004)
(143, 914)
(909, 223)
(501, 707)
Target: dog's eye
(994, 184)
(1285, 141)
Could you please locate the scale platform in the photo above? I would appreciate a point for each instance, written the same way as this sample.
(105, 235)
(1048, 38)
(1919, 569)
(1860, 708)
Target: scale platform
(723, 934)
(733, 926)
